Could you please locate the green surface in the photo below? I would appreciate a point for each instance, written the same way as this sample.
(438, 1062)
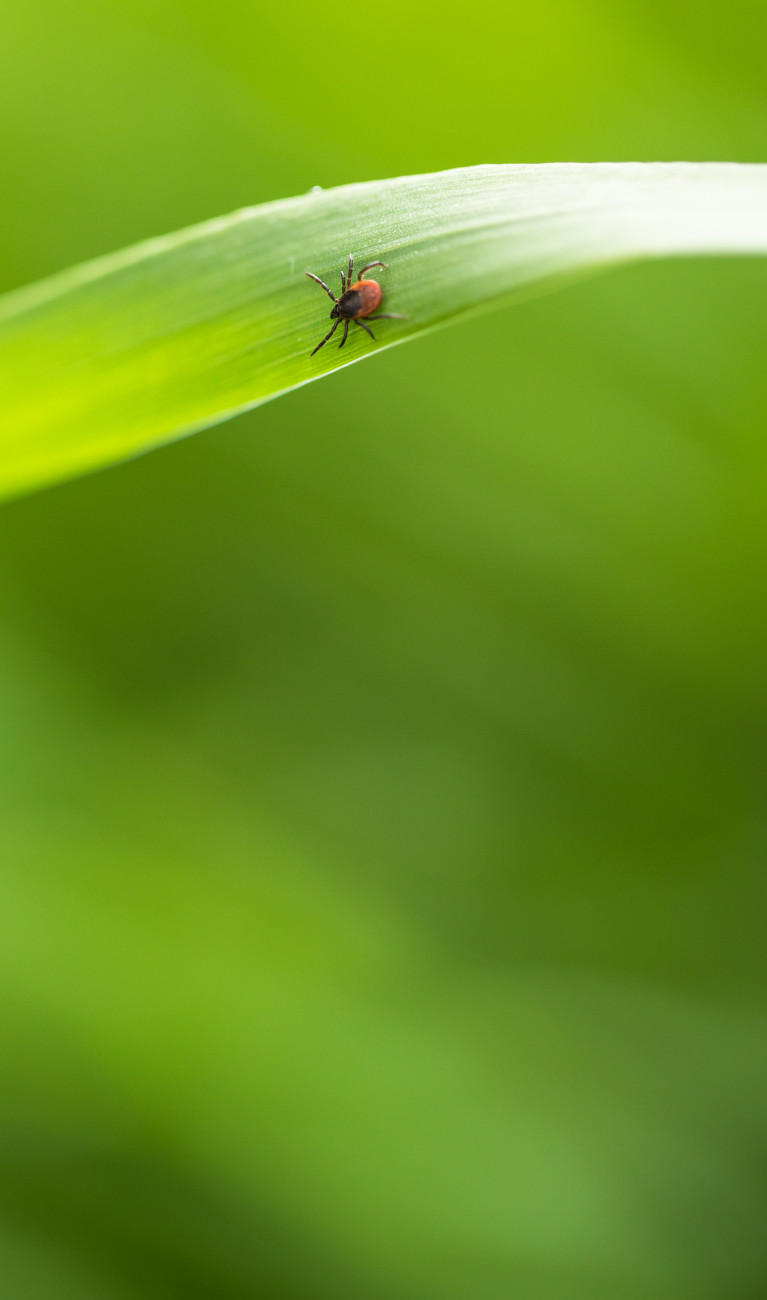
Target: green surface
(382, 825)
(113, 357)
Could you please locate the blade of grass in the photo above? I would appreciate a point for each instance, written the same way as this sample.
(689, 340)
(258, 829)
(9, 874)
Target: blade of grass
(116, 356)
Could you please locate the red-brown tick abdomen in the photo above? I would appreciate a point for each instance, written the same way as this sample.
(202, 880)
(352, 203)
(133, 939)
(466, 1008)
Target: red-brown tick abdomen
(370, 296)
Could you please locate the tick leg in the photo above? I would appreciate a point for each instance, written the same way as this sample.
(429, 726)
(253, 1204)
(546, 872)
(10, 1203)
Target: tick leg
(322, 284)
(351, 269)
(388, 315)
(346, 331)
(327, 336)
(370, 266)
(343, 284)
(367, 329)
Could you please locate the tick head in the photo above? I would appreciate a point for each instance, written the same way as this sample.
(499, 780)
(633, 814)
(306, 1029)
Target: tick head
(334, 312)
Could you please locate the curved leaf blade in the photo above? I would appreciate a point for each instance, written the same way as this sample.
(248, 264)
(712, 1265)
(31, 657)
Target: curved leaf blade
(121, 354)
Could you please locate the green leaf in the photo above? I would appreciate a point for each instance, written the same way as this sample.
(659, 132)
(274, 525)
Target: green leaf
(116, 356)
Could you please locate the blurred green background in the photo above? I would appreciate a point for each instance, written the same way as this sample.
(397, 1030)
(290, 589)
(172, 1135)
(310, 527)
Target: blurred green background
(382, 774)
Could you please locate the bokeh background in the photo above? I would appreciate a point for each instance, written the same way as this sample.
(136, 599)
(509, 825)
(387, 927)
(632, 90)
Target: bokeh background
(382, 774)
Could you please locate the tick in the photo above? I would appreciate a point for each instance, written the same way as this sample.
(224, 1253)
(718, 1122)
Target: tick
(357, 300)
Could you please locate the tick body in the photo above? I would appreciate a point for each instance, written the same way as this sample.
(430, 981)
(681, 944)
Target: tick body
(358, 300)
